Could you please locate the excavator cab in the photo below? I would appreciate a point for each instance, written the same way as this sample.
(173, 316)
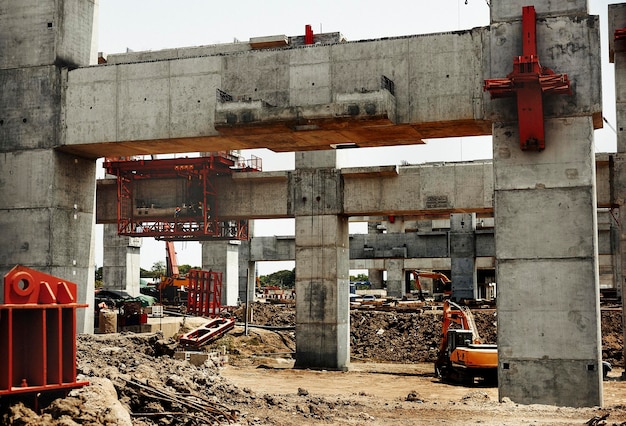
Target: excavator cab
(459, 338)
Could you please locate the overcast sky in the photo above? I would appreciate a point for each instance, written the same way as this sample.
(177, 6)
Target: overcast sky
(141, 25)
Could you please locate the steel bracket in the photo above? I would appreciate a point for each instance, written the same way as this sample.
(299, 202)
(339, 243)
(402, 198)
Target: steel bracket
(529, 81)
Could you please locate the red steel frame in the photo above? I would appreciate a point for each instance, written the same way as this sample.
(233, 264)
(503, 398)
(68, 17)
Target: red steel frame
(204, 293)
(37, 333)
(196, 226)
(529, 81)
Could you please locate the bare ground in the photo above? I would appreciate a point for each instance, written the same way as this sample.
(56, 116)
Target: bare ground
(136, 381)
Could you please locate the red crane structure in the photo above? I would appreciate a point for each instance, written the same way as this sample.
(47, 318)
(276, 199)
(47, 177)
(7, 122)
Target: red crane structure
(176, 199)
(529, 81)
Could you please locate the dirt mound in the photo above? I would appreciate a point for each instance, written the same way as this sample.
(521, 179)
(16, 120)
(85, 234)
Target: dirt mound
(415, 336)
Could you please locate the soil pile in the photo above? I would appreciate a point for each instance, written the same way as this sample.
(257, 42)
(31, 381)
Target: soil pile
(415, 336)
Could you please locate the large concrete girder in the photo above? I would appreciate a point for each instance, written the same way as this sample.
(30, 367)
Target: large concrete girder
(170, 105)
(432, 189)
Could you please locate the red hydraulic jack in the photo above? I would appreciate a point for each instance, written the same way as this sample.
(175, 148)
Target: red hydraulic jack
(37, 334)
(529, 81)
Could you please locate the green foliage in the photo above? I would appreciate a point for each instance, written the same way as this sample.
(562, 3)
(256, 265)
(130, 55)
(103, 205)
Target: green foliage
(98, 282)
(158, 269)
(184, 269)
(283, 279)
(359, 278)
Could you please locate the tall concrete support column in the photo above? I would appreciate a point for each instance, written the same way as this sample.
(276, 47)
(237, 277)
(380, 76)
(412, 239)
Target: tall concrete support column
(322, 263)
(395, 277)
(463, 255)
(47, 197)
(375, 276)
(617, 21)
(121, 261)
(223, 256)
(549, 345)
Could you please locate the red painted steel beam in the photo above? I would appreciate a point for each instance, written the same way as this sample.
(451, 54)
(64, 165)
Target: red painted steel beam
(529, 81)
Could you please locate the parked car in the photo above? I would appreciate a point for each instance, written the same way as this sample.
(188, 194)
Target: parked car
(115, 298)
(111, 298)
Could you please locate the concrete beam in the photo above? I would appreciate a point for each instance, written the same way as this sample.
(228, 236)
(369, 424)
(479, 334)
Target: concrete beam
(429, 190)
(169, 104)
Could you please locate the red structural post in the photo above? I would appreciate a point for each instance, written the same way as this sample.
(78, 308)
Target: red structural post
(308, 35)
(529, 81)
(37, 333)
(204, 293)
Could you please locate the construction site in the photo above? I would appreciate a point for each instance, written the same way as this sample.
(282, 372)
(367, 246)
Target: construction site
(494, 288)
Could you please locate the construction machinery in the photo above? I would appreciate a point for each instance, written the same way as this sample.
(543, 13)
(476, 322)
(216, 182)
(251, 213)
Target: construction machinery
(442, 285)
(176, 199)
(462, 356)
(173, 286)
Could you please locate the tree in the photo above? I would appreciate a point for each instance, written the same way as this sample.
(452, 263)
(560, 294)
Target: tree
(283, 279)
(359, 278)
(98, 282)
(158, 269)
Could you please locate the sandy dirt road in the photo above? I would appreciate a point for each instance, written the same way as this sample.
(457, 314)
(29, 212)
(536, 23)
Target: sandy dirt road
(380, 394)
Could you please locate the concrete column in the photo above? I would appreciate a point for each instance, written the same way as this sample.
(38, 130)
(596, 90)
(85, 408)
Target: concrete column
(375, 276)
(47, 197)
(395, 277)
(463, 256)
(223, 256)
(549, 344)
(121, 261)
(617, 20)
(322, 263)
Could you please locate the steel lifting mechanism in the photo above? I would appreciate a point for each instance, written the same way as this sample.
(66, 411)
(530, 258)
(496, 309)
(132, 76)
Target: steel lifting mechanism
(37, 333)
(529, 81)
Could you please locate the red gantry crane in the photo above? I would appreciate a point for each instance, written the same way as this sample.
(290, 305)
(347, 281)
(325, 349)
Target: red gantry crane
(176, 199)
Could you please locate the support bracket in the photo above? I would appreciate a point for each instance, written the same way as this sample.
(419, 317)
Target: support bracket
(529, 81)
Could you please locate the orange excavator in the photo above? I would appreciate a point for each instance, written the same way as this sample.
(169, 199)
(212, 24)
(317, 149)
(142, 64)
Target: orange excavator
(173, 287)
(442, 287)
(462, 356)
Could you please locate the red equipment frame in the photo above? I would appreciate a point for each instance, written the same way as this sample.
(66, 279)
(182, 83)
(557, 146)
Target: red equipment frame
(212, 330)
(204, 295)
(197, 222)
(205, 299)
(529, 81)
(37, 333)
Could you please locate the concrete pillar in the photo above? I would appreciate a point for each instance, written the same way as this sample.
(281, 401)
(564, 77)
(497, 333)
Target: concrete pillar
(549, 345)
(463, 256)
(47, 197)
(223, 256)
(322, 263)
(395, 277)
(121, 261)
(617, 20)
(375, 276)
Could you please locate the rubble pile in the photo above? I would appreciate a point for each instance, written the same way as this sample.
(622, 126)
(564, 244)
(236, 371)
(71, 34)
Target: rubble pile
(415, 336)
